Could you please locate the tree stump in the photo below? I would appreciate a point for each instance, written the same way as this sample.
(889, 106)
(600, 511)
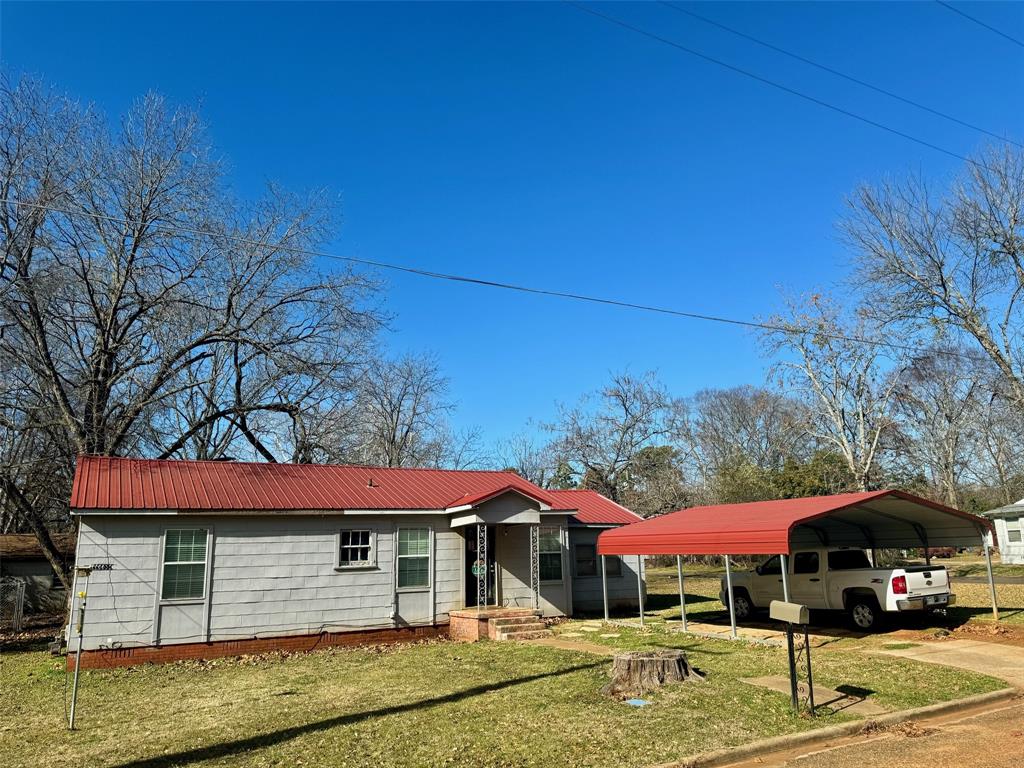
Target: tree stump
(636, 673)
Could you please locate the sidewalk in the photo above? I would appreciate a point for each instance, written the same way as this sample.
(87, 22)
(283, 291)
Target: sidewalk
(993, 659)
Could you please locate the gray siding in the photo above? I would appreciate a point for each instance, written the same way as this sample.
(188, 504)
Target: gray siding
(513, 557)
(274, 575)
(586, 590)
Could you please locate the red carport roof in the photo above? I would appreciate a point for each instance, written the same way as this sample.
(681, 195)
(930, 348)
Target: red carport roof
(883, 519)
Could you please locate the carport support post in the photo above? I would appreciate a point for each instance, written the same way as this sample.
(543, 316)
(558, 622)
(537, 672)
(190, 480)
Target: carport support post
(682, 595)
(728, 594)
(604, 585)
(991, 578)
(784, 563)
(640, 585)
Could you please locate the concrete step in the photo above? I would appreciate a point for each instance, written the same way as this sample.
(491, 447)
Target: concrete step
(512, 621)
(530, 634)
(533, 626)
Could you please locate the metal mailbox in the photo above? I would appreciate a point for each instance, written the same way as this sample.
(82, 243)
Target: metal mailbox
(792, 613)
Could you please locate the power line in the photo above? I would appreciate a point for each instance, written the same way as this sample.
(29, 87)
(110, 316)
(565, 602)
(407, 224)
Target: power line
(837, 73)
(775, 328)
(772, 83)
(980, 23)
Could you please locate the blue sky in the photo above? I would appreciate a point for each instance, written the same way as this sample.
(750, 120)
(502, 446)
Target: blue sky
(536, 144)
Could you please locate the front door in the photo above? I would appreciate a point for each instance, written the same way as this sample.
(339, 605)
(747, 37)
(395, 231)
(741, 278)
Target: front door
(476, 564)
(766, 582)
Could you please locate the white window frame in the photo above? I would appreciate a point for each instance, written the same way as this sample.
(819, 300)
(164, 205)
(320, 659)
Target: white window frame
(430, 558)
(357, 566)
(561, 553)
(205, 562)
(1015, 525)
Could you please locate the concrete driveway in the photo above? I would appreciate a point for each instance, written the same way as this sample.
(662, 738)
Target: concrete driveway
(995, 659)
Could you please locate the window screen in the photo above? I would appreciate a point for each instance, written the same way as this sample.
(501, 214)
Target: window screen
(550, 554)
(413, 557)
(184, 576)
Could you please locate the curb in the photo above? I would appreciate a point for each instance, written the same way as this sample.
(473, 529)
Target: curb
(777, 743)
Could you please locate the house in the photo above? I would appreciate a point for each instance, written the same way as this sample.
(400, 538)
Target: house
(1009, 524)
(203, 558)
(22, 559)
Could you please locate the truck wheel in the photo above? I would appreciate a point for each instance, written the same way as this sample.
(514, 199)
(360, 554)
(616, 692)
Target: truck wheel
(865, 613)
(742, 605)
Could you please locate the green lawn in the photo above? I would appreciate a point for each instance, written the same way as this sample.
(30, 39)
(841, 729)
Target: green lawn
(437, 703)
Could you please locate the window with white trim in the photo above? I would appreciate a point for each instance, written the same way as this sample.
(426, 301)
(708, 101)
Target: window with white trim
(1014, 529)
(184, 576)
(356, 549)
(550, 554)
(413, 558)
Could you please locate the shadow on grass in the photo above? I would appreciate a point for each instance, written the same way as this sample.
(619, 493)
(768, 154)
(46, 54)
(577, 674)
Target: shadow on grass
(229, 748)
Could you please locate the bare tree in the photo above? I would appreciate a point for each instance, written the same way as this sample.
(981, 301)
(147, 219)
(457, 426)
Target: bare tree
(950, 262)
(528, 458)
(1000, 461)
(743, 425)
(937, 402)
(848, 393)
(401, 417)
(601, 437)
(145, 311)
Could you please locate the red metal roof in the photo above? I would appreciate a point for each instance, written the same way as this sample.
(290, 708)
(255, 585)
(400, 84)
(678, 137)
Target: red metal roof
(595, 509)
(149, 484)
(888, 518)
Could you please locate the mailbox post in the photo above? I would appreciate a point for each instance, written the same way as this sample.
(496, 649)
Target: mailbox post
(790, 614)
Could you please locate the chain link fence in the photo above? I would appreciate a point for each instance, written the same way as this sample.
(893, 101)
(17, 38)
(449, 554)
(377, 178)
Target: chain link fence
(12, 604)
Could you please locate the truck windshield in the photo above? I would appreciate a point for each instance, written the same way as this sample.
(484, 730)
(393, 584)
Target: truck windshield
(848, 560)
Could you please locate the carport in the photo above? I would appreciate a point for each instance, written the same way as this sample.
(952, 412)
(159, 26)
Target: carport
(870, 520)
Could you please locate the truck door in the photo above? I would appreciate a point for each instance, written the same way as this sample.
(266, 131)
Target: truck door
(766, 582)
(807, 582)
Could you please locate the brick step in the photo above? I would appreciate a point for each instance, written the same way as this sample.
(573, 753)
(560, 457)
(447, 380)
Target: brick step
(530, 634)
(512, 621)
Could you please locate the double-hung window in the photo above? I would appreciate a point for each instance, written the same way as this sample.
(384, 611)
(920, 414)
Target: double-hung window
(1014, 529)
(413, 558)
(356, 549)
(550, 554)
(184, 576)
(588, 563)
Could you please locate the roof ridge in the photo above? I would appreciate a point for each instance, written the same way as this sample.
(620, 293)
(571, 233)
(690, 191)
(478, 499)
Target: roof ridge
(235, 462)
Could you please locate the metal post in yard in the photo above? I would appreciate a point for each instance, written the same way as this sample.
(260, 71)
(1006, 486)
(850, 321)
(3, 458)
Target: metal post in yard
(640, 585)
(728, 594)
(792, 668)
(682, 595)
(78, 659)
(784, 563)
(604, 585)
(810, 676)
(991, 578)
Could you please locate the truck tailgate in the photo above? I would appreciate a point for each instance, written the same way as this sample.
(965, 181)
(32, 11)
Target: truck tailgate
(926, 580)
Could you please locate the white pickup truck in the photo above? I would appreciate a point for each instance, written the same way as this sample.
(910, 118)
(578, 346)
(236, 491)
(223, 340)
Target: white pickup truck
(842, 579)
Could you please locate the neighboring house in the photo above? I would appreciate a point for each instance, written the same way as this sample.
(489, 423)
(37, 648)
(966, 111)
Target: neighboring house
(22, 558)
(200, 552)
(1009, 524)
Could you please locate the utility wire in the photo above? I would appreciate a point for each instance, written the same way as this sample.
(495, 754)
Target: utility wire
(772, 327)
(772, 83)
(837, 73)
(980, 23)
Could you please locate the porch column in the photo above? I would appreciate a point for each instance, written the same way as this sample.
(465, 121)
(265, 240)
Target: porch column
(682, 595)
(481, 567)
(640, 585)
(728, 594)
(604, 585)
(535, 566)
(991, 578)
(784, 562)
